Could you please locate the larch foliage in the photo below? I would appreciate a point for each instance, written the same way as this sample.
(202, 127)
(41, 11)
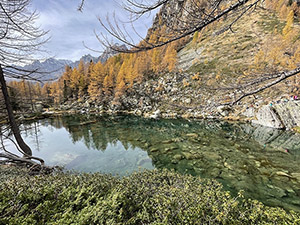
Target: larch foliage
(170, 58)
(74, 80)
(96, 81)
(289, 25)
(156, 60)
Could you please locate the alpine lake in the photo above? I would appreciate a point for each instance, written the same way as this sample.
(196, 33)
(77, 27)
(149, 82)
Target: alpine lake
(263, 162)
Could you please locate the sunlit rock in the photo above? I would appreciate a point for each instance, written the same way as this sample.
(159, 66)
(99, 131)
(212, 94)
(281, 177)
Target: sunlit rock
(266, 116)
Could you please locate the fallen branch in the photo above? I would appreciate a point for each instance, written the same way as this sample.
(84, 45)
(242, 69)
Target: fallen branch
(34, 167)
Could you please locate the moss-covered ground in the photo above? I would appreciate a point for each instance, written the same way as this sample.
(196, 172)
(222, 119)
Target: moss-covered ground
(149, 197)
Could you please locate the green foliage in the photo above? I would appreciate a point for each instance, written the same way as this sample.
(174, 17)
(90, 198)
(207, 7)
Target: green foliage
(270, 22)
(149, 197)
(204, 66)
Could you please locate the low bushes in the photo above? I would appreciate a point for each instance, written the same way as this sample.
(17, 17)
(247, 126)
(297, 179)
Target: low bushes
(149, 197)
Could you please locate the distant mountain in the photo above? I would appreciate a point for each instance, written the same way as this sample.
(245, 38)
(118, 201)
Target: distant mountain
(52, 69)
(86, 58)
(109, 52)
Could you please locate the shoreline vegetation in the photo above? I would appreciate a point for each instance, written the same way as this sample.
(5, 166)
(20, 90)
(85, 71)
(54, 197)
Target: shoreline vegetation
(145, 197)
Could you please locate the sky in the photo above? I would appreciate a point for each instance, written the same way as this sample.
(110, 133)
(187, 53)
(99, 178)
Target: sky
(68, 27)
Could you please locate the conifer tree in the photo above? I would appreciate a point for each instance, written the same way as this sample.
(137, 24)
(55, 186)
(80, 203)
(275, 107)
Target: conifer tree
(96, 81)
(74, 82)
(156, 60)
(66, 77)
(170, 57)
(289, 25)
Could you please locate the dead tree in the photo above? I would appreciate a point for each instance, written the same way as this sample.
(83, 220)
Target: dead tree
(20, 39)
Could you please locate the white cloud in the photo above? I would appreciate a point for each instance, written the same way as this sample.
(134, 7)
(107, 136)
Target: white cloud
(69, 28)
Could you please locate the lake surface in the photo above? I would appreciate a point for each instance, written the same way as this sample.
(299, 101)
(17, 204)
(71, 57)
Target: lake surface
(263, 162)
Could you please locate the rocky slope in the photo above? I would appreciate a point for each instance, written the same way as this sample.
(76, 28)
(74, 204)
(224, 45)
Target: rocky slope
(206, 71)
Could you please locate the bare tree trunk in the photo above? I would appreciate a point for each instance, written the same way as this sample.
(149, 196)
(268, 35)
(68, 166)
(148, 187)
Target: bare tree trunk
(14, 127)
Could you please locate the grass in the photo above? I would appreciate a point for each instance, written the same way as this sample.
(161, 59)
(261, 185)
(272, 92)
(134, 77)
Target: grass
(270, 22)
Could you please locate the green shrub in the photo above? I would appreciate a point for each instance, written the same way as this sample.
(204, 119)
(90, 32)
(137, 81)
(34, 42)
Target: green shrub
(149, 197)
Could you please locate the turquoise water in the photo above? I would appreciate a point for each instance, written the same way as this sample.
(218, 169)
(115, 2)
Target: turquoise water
(263, 162)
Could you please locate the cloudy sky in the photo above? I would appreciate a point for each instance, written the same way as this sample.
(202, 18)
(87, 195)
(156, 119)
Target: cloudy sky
(69, 28)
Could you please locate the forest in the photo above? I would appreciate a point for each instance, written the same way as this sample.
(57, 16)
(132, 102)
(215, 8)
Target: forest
(108, 81)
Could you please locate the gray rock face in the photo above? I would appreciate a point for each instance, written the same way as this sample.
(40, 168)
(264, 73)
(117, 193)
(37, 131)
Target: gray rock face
(284, 115)
(250, 112)
(267, 116)
(289, 113)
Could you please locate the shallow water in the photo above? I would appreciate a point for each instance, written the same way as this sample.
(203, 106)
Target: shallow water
(263, 162)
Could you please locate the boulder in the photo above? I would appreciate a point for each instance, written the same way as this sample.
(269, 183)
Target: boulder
(249, 112)
(224, 110)
(289, 113)
(267, 116)
(156, 114)
(284, 115)
(38, 107)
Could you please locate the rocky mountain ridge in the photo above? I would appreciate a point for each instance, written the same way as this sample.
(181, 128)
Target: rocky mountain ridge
(51, 69)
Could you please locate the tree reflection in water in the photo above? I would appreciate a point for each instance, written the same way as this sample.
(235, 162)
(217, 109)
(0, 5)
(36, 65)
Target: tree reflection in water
(262, 161)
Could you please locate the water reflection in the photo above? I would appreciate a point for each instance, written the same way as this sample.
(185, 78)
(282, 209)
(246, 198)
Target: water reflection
(262, 161)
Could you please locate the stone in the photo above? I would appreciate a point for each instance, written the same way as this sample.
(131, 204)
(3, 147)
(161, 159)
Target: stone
(39, 107)
(227, 165)
(223, 110)
(156, 115)
(257, 163)
(266, 116)
(250, 112)
(188, 101)
(212, 156)
(289, 113)
(167, 141)
(194, 135)
(281, 115)
(86, 104)
(276, 191)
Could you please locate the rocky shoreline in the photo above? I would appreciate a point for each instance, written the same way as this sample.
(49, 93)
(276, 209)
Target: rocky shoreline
(175, 95)
(283, 115)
